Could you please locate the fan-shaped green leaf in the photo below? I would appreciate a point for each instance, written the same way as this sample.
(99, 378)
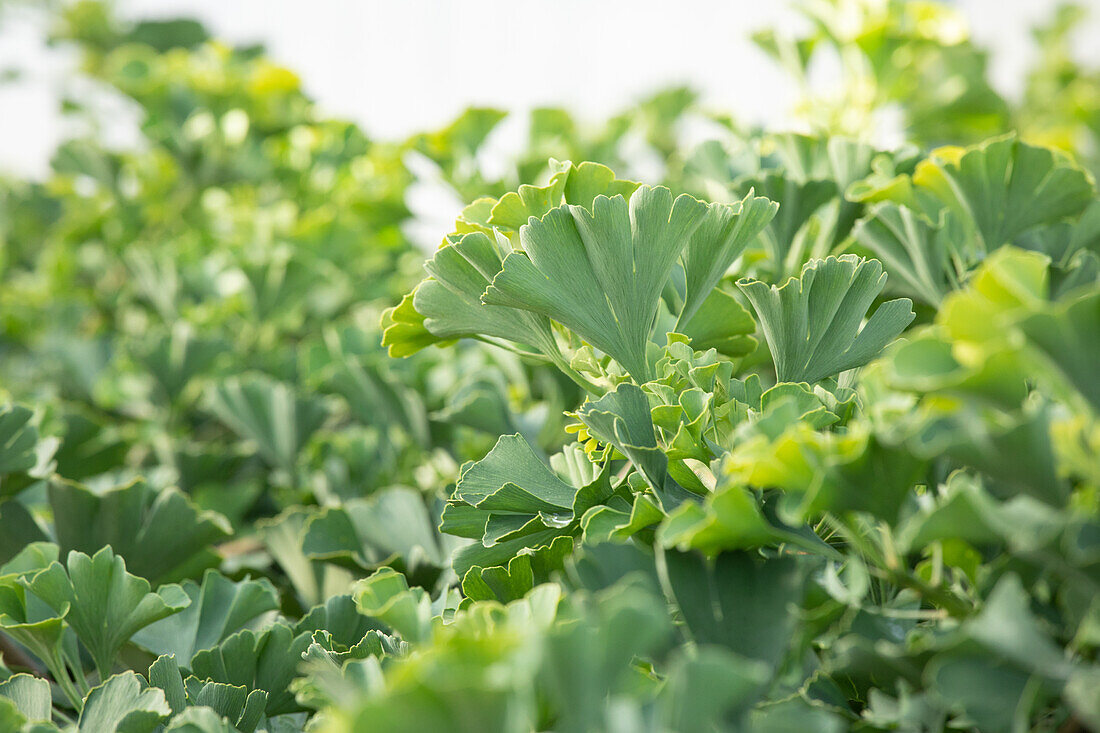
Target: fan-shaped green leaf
(812, 324)
(162, 534)
(1006, 187)
(270, 414)
(601, 273)
(123, 704)
(104, 604)
(219, 608)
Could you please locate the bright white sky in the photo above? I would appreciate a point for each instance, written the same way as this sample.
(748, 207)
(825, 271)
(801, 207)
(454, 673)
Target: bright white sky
(400, 66)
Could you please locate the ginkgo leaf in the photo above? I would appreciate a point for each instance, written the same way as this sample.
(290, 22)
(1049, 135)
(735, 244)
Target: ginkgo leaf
(913, 251)
(23, 616)
(622, 418)
(266, 660)
(123, 704)
(25, 457)
(269, 413)
(104, 604)
(447, 305)
(601, 273)
(176, 357)
(491, 482)
(735, 600)
(571, 184)
(723, 235)
(799, 200)
(450, 300)
(162, 535)
(1005, 186)
(219, 608)
(1068, 333)
(201, 720)
(386, 595)
(812, 323)
(30, 694)
(393, 523)
(723, 324)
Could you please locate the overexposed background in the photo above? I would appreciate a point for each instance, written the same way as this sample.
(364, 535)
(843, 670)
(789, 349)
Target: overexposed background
(396, 67)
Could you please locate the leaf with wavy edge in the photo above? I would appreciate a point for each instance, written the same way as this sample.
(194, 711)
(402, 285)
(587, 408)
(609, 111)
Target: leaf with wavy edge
(30, 694)
(124, 704)
(913, 250)
(266, 660)
(450, 300)
(812, 323)
(219, 607)
(447, 305)
(601, 273)
(726, 230)
(104, 604)
(1006, 187)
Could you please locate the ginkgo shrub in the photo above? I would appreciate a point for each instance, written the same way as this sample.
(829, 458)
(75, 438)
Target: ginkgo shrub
(797, 433)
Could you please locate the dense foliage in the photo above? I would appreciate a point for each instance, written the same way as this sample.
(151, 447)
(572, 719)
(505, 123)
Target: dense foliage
(801, 433)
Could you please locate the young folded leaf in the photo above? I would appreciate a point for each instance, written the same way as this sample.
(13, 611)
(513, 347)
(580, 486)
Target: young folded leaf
(510, 500)
(812, 323)
(622, 418)
(601, 273)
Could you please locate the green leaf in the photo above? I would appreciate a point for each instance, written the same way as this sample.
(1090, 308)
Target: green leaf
(450, 300)
(386, 595)
(719, 240)
(489, 483)
(162, 535)
(572, 184)
(270, 414)
(30, 694)
(1006, 187)
(916, 254)
(18, 528)
(343, 626)
(723, 324)
(784, 237)
(601, 273)
(313, 580)
(622, 418)
(589, 659)
(1068, 334)
(200, 720)
(123, 704)
(735, 601)
(28, 620)
(165, 674)
(175, 358)
(104, 604)
(24, 456)
(234, 702)
(709, 686)
(812, 324)
(391, 524)
(266, 660)
(219, 608)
